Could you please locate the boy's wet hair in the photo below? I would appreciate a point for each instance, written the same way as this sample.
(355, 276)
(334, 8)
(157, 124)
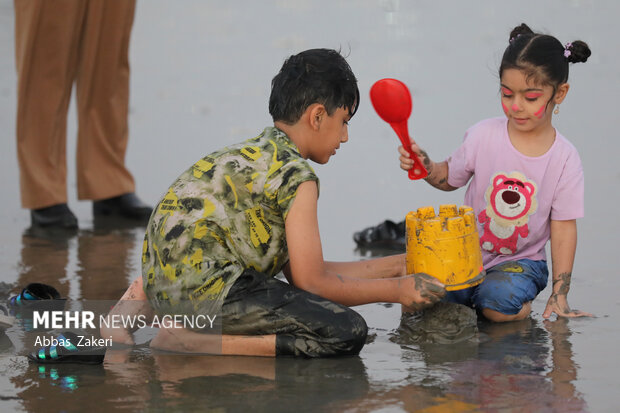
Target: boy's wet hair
(313, 76)
(542, 57)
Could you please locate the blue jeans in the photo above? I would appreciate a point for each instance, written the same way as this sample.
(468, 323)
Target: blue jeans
(506, 287)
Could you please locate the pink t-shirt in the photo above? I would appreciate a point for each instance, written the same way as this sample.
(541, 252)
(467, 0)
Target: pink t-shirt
(515, 196)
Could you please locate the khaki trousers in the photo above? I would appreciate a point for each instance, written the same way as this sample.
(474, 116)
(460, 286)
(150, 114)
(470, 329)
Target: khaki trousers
(59, 43)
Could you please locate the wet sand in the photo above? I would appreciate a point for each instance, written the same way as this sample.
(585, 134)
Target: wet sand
(200, 80)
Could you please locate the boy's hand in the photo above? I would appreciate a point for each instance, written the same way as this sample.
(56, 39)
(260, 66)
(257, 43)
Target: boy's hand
(420, 291)
(558, 304)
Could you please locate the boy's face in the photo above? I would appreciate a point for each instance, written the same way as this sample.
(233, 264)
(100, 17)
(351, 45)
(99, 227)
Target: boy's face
(333, 130)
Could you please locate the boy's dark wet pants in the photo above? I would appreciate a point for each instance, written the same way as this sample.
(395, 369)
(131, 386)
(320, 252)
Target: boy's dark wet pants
(305, 324)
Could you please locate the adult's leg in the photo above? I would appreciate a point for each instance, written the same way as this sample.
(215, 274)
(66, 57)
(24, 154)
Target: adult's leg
(103, 100)
(46, 41)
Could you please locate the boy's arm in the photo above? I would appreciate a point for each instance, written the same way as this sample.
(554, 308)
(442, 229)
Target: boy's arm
(308, 270)
(437, 172)
(563, 246)
(384, 267)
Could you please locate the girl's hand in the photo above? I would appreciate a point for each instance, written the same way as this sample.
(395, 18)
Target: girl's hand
(419, 291)
(437, 172)
(406, 163)
(558, 304)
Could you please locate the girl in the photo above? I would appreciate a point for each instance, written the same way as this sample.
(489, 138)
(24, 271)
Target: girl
(525, 182)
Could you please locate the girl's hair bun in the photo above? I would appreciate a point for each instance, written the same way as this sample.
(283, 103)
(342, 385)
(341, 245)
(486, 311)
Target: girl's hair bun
(579, 52)
(519, 30)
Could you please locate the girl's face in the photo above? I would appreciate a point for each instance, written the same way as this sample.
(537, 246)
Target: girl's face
(528, 106)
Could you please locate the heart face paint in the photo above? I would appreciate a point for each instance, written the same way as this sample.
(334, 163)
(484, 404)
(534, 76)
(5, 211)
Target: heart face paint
(533, 96)
(540, 112)
(505, 108)
(507, 93)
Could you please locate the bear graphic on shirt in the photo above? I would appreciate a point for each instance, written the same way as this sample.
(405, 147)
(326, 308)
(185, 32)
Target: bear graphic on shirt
(510, 199)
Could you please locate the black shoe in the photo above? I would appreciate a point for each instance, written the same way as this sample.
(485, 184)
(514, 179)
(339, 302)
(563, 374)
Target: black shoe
(127, 206)
(55, 216)
(388, 234)
(67, 349)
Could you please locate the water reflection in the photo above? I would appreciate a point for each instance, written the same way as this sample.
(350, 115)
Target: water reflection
(92, 264)
(527, 365)
(312, 385)
(523, 366)
(563, 370)
(44, 259)
(96, 264)
(233, 383)
(513, 368)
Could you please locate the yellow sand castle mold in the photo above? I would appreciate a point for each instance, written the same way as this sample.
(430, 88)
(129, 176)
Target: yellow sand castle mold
(445, 246)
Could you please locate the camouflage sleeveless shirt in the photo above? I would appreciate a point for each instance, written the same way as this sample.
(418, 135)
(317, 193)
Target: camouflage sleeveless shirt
(225, 214)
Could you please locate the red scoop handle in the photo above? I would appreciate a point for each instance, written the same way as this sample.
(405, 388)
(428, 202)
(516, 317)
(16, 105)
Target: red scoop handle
(417, 171)
(392, 102)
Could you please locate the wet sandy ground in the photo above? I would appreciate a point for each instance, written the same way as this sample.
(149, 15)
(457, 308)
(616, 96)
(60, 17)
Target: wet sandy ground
(200, 80)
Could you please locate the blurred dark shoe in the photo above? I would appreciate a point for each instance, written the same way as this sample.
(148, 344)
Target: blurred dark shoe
(388, 234)
(57, 216)
(127, 206)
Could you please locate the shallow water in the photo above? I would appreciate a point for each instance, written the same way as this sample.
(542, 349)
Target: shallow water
(200, 80)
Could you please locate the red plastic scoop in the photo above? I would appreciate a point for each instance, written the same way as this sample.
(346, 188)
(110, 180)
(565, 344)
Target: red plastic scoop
(392, 101)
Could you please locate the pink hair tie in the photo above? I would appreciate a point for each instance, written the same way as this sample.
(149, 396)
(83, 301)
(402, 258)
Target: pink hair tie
(567, 48)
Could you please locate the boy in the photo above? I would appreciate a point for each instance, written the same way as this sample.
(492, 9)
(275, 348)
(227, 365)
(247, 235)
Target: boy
(239, 216)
